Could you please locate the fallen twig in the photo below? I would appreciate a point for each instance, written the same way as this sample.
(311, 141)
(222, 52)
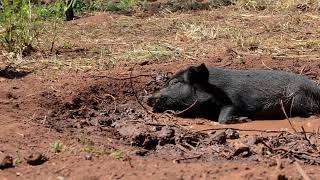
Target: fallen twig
(134, 92)
(115, 102)
(302, 70)
(54, 36)
(44, 120)
(189, 145)
(294, 154)
(284, 112)
(305, 136)
(291, 106)
(305, 153)
(182, 148)
(273, 150)
(238, 129)
(265, 65)
(162, 125)
(125, 78)
(183, 111)
(189, 158)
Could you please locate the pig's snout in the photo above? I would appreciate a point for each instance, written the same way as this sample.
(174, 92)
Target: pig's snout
(156, 101)
(150, 100)
(153, 99)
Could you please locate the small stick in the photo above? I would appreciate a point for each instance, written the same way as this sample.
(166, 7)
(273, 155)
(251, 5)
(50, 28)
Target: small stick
(180, 112)
(54, 37)
(265, 65)
(302, 70)
(301, 171)
(284, 112)
(126, 78)
(189, 145)
(292, 101)
(189, 158)
(237, 129)
(134, 92)
(44, 120)
(162, 125)
(194, 103)
(182, 148)
(115, 102)
(305, 135)
(266, 145)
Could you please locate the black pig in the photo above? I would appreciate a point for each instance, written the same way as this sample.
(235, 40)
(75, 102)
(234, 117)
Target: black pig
(230, 95)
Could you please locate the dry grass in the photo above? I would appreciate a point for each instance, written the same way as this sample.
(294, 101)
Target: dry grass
(152, 52)
(279, 5)
(196, 32)
(107, 39)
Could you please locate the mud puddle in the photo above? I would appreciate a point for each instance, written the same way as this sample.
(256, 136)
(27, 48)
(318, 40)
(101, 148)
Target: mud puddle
(310, 125)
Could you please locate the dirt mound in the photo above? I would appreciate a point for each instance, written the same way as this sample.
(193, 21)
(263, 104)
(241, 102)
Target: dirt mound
(104, 102)
(171, 142)
(98, 100)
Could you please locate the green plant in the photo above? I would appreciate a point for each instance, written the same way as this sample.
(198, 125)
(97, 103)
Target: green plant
(18, 160)
(18, 25)
(54, 10)
(118, 154)
(102, 5)
(51, 10)
(88, 148)
(87, 5)
(123, 5)
(67, 45)
(57, 146)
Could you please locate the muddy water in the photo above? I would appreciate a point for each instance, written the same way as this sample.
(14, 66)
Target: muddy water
(309, 124)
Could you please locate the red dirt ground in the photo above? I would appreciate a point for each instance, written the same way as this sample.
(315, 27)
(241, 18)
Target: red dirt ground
(106, 134)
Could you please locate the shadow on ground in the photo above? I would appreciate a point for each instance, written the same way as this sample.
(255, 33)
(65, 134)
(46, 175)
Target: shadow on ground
(12, 73)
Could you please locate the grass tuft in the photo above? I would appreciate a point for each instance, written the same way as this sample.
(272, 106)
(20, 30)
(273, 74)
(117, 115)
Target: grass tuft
(57, 146)
(279, 5)
(196, 32)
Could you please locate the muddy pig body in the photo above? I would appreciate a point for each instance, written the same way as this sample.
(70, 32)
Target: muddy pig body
(230, 95)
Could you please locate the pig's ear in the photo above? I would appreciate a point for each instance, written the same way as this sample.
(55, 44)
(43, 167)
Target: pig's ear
(198, 74)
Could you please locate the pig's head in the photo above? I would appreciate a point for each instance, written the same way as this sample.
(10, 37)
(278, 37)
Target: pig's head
(186, 89)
